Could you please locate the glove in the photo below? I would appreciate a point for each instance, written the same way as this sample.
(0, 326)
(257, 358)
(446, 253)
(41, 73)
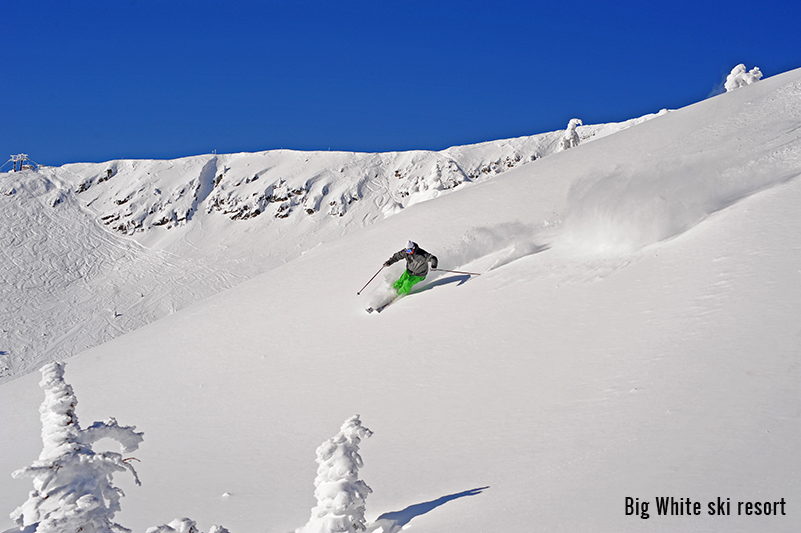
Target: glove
(386, 263)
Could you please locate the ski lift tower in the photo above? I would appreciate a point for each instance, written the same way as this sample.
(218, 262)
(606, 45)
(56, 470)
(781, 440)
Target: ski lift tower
(22, 162)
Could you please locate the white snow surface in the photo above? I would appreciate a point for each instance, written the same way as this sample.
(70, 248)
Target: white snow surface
(635, 332)
(92, 251)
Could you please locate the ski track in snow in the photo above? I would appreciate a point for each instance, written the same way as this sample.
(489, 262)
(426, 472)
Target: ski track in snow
(69, 284)
(91, 250)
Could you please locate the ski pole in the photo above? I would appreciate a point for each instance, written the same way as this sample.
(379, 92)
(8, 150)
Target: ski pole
(371, 279)
(456, 272)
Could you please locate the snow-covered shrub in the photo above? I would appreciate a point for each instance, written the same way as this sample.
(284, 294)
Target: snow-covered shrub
(739, 77)
(73, 488)
(340, 494)
(571, 139)
(183, 525)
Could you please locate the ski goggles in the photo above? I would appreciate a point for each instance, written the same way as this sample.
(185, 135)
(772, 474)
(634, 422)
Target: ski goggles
(409, 250)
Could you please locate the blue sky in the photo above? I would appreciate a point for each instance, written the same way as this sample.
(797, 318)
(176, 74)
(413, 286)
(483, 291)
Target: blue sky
(95, 81)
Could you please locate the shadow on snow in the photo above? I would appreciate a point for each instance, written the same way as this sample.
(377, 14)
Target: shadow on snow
(394, 521)
(461, 279)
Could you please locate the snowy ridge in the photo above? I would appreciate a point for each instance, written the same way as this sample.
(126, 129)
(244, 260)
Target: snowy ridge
(184, 229)
(138, 196)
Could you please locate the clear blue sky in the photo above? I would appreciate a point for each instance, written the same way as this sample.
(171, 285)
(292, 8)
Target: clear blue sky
(101, 80)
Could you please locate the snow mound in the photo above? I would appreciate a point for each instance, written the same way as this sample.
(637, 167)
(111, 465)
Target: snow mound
(183, 525)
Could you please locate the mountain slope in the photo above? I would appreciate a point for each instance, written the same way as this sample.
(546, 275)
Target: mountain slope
(97, 250)
(634, 333)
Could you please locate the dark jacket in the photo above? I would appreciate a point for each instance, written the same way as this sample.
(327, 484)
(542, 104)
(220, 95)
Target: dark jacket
(416, 262)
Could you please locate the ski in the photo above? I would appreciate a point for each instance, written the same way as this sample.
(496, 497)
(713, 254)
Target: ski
(380, 307)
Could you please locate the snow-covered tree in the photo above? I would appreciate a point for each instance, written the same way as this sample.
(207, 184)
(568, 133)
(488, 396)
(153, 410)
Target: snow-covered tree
(183, 525)
(340, 494)
(739, 77)
(73, 490)
(571, 139)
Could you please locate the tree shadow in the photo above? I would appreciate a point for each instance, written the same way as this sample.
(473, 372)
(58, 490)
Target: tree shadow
(394, 521)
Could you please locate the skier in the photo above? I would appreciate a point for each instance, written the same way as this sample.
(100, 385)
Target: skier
(417, 261)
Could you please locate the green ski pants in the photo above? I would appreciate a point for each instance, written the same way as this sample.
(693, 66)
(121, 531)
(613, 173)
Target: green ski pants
(406, 281)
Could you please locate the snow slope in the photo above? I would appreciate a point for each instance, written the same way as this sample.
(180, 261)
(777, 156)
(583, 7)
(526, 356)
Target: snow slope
(634, 333)
(97, 250)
